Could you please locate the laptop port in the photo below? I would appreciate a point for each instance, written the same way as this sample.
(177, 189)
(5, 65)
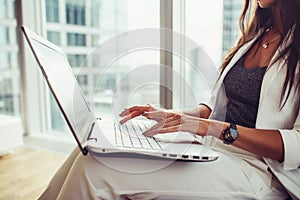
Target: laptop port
(185, 156)
(173, 155)
(196, 157)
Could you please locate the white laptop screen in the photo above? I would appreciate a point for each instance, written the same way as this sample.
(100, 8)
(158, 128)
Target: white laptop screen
(64, 86)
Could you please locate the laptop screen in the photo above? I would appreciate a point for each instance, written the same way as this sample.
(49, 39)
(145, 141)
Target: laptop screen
(64, 86)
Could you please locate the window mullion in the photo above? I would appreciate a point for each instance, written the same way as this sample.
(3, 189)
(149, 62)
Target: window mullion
(166, 57)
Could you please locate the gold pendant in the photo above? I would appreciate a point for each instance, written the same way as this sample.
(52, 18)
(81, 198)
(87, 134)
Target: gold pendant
(266, 45)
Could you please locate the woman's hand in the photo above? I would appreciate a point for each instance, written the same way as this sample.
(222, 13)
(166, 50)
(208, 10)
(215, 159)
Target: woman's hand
(135, 111)
(169, 121)
(173, 122)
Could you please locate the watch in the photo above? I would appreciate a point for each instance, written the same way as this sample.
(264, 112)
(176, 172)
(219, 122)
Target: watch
(230, 134)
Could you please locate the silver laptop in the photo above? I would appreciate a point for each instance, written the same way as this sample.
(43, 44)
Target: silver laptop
(104, 137)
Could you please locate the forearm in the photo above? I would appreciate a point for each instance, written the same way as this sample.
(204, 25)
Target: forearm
(201, 111)
(265, 143)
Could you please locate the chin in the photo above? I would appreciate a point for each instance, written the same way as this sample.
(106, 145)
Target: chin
(265, 3)
(263, 6)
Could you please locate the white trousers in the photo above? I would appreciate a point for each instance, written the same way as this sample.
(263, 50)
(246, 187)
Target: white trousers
(86, 177)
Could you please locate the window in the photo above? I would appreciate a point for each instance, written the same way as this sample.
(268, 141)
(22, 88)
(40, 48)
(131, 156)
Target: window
(52, 14)
(3, 9)
(212, 30)
(84, 84)
(95, 13)
(4, 60)
(76, 39)
(54, 36)
(80, 26)
(105, 19)
(95, 40)
(4, 35)
(9, 73)
(76, 60)
(75, 12)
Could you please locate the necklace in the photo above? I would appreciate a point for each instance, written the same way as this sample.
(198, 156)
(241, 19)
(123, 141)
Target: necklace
(266, 44)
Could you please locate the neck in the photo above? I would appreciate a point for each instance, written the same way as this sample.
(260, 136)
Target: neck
(277, 22)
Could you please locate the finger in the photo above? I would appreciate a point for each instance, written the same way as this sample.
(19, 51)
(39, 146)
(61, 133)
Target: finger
(154, 128)
(170, 129)
(130, 116)
(141, 109)
(162, 130)
(158, 115)
(152, 116)
(172, 121)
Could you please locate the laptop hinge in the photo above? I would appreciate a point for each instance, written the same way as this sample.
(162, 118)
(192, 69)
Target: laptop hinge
(90, 131)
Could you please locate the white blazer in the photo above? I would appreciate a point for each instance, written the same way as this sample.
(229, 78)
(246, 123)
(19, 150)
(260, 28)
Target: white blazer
(270, 116)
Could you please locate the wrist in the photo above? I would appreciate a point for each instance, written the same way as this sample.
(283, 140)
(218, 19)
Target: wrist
(230, 134)
(216, 128)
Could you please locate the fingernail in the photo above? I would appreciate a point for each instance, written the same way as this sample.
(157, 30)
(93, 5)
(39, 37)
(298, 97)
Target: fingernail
(145, 133)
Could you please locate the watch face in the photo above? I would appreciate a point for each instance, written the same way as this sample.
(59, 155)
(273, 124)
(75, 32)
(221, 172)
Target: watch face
(233, 133)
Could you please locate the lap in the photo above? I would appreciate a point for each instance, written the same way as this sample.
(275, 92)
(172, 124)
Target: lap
(90, 177)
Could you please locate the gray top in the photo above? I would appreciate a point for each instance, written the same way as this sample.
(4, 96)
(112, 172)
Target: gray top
(242, 88)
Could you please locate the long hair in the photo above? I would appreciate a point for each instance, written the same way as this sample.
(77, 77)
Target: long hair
(253, 18)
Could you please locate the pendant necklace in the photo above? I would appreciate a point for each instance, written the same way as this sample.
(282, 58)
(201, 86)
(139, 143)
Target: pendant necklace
(266, 44)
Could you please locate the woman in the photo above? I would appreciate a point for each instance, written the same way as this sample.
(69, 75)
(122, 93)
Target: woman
(258, 139)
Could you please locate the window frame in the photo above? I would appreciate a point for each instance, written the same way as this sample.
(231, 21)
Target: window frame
(35, 100)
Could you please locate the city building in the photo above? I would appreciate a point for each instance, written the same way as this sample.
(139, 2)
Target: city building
(9, 72)
(231, 31)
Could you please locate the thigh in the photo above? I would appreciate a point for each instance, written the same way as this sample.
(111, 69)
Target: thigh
(114, 178)
(59, 178)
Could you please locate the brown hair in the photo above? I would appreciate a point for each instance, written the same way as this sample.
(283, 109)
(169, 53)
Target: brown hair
(253, 18)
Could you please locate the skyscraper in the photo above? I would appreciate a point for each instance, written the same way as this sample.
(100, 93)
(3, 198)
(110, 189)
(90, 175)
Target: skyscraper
(78, 26)
(231, 13)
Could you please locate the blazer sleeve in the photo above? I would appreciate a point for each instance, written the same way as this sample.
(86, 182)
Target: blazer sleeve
(291, 141)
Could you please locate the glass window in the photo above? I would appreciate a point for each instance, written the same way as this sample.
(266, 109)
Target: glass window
(57, 122)
(3, 9)
(95, 40)
(231, 12)
(54, 36)
(52, 11)
(6, 105)
(213, 34)
(95, 13)
(83, 81)
(75, 12)
(76, 39)
(98, 81)
(133, 74)
(4, 61)
(4, 35)
(76, 60)
(9, 97)
(9, 74)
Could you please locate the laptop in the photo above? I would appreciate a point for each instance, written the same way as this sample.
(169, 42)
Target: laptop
(105, 137)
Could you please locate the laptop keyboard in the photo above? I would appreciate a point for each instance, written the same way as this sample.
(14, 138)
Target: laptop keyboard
(129, 135)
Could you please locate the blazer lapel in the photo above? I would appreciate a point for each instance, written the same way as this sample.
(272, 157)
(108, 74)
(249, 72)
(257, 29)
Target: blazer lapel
(273, 70)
